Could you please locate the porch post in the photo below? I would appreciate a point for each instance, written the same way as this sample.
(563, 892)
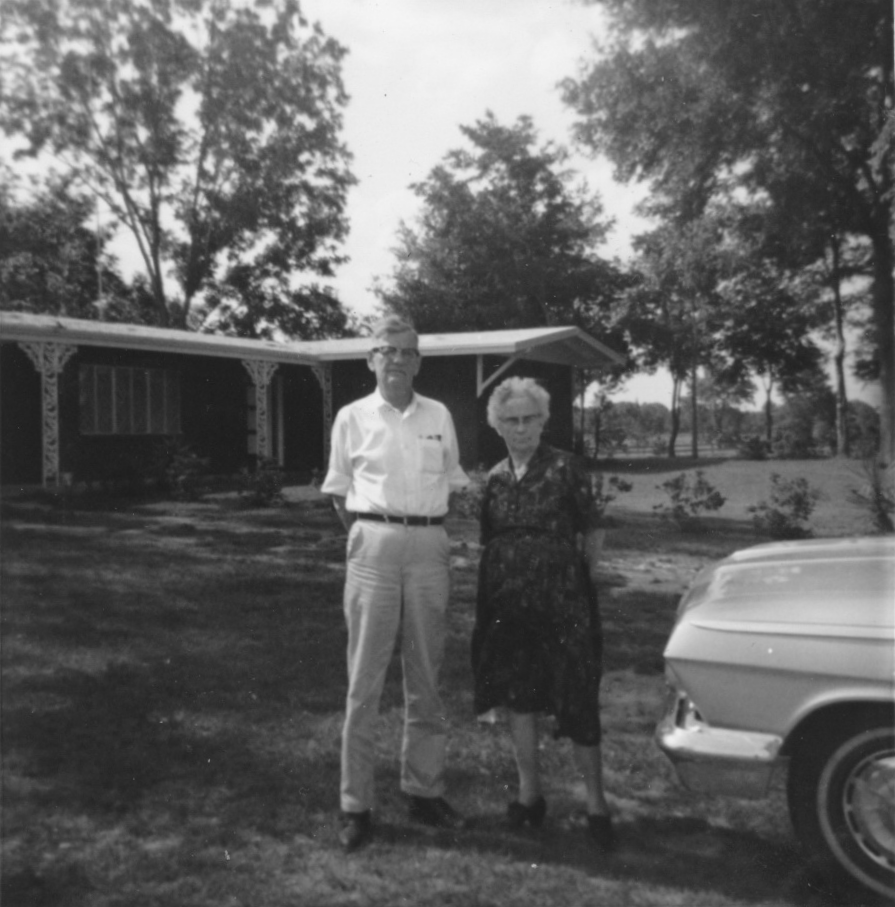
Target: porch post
(324, 375)
(261, 374)
(49, 359)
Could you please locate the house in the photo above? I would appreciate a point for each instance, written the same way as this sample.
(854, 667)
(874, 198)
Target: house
(85, 400)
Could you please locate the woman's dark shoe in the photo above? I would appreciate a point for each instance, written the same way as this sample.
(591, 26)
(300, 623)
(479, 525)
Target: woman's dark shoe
(519, 815)
(599, 827)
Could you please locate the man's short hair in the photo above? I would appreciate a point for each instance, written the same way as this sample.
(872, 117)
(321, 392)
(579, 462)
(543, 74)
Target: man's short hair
(392, 324)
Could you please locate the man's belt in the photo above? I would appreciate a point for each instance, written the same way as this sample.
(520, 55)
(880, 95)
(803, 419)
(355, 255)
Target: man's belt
(403, 520)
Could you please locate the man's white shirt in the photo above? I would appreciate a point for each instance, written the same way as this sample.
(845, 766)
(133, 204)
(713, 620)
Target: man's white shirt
(383, 460)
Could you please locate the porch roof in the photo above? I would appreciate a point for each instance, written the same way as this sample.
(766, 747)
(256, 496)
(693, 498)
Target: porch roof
(556, 345)
(79, 332)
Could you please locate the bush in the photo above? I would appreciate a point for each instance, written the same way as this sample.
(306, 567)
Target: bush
(793, 440)
(177, 469)
(690, 497)
(877, 494)
(263, 486)
(785, 517)
(606, 491)
(754, 448)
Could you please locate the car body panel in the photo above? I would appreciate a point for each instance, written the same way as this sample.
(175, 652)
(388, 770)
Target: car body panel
(765, 638)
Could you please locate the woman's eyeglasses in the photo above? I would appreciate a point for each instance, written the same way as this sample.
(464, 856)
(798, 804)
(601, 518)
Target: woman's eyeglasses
(524, 421)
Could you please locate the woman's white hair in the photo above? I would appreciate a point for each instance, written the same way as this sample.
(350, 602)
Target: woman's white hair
(517, 387)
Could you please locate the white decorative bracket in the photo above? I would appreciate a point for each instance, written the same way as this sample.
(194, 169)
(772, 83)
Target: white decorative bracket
(261, 374)
(324, 376)
(481, 382)
(49, 359)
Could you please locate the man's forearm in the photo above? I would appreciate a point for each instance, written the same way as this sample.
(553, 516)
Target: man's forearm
(342, 511)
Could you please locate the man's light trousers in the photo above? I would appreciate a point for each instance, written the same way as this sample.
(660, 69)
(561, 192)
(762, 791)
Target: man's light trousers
(397, 581)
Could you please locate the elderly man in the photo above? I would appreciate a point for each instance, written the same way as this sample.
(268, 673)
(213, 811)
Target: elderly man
(393, 464)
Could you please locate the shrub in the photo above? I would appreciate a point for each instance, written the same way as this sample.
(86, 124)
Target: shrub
(877, 494)
(690, 497)
(754, 448)
(607, 490)
(263, 486)
(785, 517)
(790, 443)
(177, 469)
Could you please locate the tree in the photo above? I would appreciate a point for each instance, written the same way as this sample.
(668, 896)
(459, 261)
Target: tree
(52, 262)
(789, 102)
(210, 128)
(768, 332)
(721, 394)
(672, 315)
(258, 305)
(503, 241)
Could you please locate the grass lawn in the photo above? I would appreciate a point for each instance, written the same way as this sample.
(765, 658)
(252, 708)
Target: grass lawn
(172, 693)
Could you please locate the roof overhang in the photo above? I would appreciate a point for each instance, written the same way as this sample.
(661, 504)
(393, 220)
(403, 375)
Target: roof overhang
(556, 345)
(47, 328)
(568, 346)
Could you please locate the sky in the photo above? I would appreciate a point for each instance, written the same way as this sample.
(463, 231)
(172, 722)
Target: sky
(418, 70)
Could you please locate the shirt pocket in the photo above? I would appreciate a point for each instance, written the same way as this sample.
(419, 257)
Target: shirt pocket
(431, 455)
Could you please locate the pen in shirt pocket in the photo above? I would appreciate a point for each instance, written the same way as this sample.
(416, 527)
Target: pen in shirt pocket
(430, 437)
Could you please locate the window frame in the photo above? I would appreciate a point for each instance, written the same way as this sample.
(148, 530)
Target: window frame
(128, 400)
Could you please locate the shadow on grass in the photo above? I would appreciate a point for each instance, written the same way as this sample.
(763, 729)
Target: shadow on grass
(656, 466)
(682, 854)
(184, 688)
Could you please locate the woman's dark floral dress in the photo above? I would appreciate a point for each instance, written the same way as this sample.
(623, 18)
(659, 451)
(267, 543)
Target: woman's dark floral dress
(537, 643)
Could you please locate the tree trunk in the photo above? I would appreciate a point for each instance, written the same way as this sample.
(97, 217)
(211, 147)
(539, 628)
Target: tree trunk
(694, 416)
(884, 319)
(769, 413)
(842, 445)
(675, 416)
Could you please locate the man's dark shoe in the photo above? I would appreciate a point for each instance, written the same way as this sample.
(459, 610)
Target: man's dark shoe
(435, 811)
(356, 830)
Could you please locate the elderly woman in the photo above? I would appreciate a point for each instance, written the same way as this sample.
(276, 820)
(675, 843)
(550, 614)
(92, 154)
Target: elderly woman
(537, 643)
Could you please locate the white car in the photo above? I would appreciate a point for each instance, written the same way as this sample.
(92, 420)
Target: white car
(782, 663)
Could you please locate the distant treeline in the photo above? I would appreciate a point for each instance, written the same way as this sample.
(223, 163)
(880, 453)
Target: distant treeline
(803, 426)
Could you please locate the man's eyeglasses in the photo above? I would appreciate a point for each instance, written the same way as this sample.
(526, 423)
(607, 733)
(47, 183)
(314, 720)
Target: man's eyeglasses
(393, 352)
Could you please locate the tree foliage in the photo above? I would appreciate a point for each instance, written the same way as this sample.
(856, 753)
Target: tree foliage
(790, 102)
(672, 315)
(503, 241)
(768, 331)
(210, 128)
(52, 263)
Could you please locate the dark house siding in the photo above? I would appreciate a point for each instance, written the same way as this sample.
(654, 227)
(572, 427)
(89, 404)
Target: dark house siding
(212, 417)
(303, 429)
(21, 452)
